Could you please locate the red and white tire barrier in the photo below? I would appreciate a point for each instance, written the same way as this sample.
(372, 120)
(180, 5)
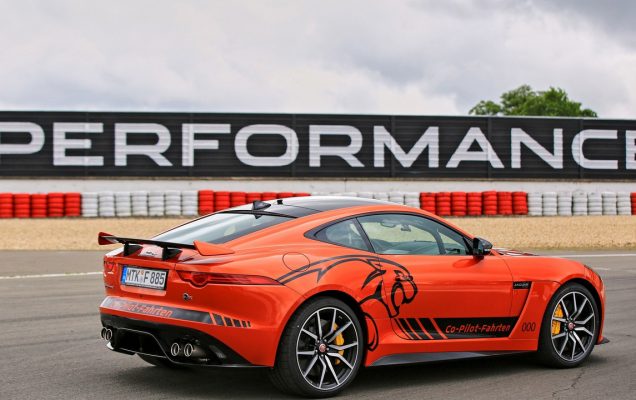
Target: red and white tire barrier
(191, 203)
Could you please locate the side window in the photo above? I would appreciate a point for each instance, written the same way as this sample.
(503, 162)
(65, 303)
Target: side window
(343, 233)
(410, 234)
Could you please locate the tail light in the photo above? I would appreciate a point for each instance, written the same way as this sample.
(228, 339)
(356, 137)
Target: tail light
(109, 266)
(200, 279)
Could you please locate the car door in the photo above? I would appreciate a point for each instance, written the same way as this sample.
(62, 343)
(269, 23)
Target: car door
(438, 289)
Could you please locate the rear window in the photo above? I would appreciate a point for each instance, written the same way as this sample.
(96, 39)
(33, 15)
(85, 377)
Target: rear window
(220, 228)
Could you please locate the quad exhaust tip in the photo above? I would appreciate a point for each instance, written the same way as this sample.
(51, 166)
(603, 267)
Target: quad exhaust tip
(106, 334)
(175, 349)
(188, 349)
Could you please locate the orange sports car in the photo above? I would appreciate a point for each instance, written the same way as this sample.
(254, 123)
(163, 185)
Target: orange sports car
(313, 288)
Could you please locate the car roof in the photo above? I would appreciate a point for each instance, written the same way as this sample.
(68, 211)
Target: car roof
(308, 205)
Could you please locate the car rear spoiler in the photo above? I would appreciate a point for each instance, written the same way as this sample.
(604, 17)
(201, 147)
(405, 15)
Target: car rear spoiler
(170, 249)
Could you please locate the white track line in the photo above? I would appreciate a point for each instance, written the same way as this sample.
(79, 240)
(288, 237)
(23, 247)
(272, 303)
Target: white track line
(51, 275)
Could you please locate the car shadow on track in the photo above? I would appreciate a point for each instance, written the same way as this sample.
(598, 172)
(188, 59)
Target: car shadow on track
(253, 383)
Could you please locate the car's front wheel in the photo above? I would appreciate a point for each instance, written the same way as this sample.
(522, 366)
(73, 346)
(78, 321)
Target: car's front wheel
(570, 327)
(321, 349)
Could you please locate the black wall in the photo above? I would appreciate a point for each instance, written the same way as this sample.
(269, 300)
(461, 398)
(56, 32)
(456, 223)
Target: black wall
(406, 130)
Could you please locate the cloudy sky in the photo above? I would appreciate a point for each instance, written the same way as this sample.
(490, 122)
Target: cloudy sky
(402, 57)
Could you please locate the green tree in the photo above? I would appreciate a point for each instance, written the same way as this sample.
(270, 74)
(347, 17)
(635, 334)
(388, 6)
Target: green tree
(553, 102)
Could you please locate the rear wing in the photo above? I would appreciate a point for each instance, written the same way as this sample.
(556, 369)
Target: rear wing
(169, 249)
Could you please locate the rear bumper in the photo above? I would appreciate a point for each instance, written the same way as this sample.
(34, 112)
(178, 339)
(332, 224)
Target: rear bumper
(133, 336)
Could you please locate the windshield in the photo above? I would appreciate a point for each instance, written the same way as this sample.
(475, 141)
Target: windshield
(220, 228)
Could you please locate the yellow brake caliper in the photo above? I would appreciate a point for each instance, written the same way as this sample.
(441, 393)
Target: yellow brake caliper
(556, 325)
(338, 342)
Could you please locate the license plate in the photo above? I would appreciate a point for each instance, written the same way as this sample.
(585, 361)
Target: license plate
(146, 278)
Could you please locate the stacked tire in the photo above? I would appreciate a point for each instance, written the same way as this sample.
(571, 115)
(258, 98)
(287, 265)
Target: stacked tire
(396, 197)
(172, 203)
(579, 203)
(139, 203)
(443, 204)
(189, 204)
(39, 207)
(72, 204)
(412, 199)
(535, 204)
(206, 202)
(594, 204)
(6, 205)
(55, 205)
(252, 197)
(156, 203)
(474, 204)
(609, 203)
(123, 206)
(381, 196)
(489, 202)
(221, 201)
(90, 204)
(623, 203)
(519, 203)
(550, 202)
(458, 204)
(564, 203)
(504, 203)
(106, 204)
(22, 205)
(427, 202)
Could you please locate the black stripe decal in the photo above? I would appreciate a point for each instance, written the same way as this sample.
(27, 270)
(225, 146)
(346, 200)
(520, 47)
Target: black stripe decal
(412, 322)
(428, 325)
(218, 319)
(401, 324)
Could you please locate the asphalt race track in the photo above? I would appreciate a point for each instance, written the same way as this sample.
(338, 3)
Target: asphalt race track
(50, 348)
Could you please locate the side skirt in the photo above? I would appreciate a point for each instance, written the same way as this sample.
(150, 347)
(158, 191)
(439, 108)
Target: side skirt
(414, 358)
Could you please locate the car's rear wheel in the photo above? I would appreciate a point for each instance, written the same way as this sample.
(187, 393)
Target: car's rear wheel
(570, 327)
(321, 350)
(159, 361)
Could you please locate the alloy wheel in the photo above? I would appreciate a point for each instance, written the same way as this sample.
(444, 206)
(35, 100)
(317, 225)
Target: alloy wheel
(573, 326)
(327, 348)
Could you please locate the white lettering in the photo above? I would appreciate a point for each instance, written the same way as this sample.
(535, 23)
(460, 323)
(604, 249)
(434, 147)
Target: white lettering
(519, 137)
(487, 153)
(383, 139)
(347, 153)
(189, 142)
(630, 149)
(153, 151)
(291, 147)
(579, 141)
(61, 143)
(35, 143)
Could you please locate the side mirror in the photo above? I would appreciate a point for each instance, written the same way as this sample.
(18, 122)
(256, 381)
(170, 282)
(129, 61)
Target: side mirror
(481, 247)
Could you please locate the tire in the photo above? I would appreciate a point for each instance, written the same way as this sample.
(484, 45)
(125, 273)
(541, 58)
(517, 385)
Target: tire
(569, 345)
(319, 370)
(160, 362)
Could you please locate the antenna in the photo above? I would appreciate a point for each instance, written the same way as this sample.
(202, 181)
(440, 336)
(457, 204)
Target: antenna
(260, 205)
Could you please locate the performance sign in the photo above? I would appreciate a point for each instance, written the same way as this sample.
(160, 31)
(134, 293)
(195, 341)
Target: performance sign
(82, 144)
